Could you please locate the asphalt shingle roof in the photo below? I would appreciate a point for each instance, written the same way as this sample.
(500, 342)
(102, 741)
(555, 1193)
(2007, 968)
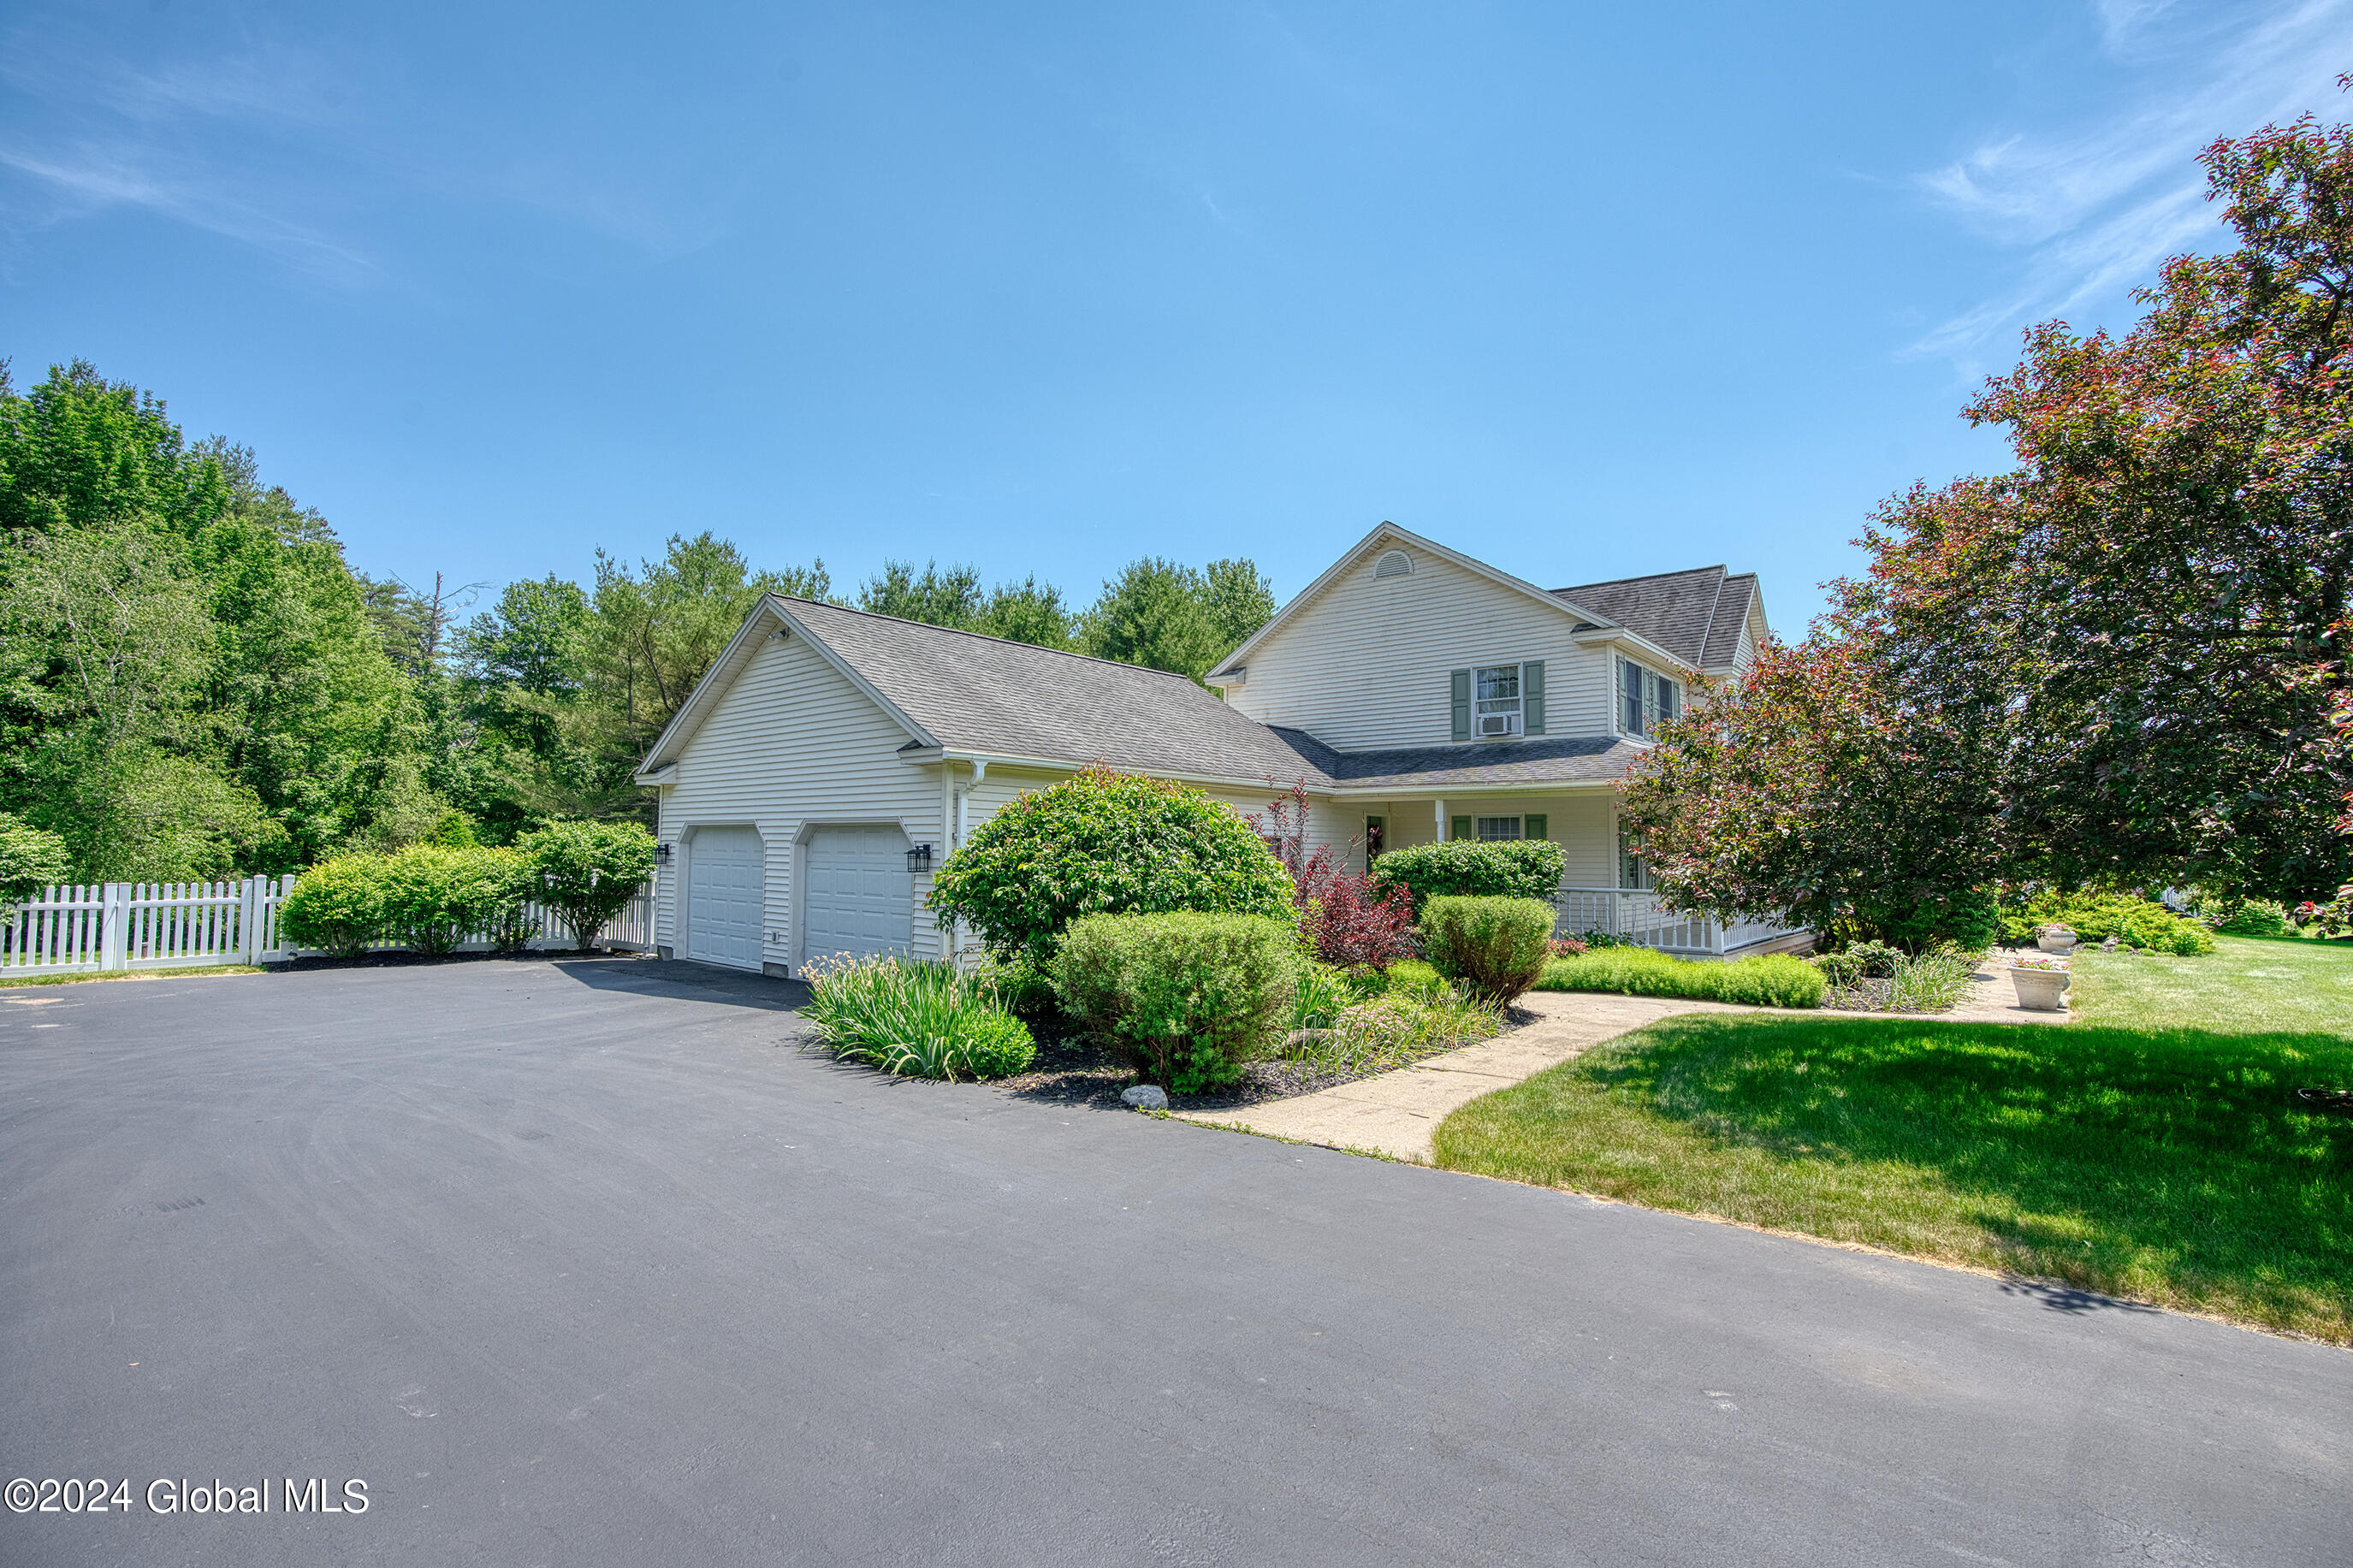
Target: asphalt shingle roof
(1731, 614)
(983, 694)
(980, 693)
(1696, 615)
(1568, 760)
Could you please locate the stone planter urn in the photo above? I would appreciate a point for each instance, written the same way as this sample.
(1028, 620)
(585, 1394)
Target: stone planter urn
(2040, 990)
(2056, 939)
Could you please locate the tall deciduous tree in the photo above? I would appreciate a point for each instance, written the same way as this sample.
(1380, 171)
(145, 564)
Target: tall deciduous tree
(2124, 655)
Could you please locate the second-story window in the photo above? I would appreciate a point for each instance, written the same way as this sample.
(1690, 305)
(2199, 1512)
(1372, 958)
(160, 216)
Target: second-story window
(1646, 699)
(1499, 700)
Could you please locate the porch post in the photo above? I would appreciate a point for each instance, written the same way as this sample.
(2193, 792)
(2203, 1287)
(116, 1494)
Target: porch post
(1442, 822)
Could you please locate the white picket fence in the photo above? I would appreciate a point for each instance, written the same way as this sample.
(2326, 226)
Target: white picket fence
(169, 925)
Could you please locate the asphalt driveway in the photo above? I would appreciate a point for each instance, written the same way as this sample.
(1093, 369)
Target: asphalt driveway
(582, 1263)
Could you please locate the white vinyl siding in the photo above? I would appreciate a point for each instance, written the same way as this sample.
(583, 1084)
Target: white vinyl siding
(791, 743)
(1365, 665)
(1583, 824)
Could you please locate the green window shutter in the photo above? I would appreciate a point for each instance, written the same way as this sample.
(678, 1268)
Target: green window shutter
(1532, 825)
(1462, 827)
(1532, 698)
(1462, 704)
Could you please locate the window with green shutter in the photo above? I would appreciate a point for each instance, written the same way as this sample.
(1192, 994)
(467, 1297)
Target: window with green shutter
(1532, 698)
(1462, 694)
(1535, 824)
(1462, 828)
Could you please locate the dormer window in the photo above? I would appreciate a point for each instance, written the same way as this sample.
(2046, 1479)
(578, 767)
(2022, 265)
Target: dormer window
(1646, 699)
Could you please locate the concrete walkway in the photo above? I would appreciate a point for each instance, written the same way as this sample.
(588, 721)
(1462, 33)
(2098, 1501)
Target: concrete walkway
(1395, 1113)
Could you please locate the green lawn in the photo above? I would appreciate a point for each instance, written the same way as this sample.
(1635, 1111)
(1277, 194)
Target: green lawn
(2245, 986)
(85, 977)
(2165, 1164)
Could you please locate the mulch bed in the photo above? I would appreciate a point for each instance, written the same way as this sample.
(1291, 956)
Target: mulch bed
(1073, 1070)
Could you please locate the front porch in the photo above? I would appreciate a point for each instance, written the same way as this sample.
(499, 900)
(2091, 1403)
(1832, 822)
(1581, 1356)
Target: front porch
(1637, 916)
(1601, 881)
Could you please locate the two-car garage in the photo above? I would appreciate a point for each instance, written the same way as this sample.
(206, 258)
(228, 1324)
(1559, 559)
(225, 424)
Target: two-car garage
(856, 895)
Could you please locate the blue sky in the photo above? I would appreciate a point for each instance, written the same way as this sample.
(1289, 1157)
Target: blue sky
(1582, 290)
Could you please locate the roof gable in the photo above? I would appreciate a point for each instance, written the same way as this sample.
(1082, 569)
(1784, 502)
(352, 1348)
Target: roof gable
(1386, 535)
(963, 691)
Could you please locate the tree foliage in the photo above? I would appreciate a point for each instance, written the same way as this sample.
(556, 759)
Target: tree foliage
(2120, 663)
(588, 871)
(193, 681)
(1103, 842)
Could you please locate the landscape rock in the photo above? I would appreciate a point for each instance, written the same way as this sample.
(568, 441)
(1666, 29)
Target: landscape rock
(1146, 1096)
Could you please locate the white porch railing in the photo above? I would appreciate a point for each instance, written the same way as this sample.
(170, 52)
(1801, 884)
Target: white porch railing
(116, 926)
(1638, 916)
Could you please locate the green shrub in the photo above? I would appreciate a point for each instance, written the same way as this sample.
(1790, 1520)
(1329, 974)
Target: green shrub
(2245, 917)
(913, 1018)
(2095, 917)
(1775, 980)
(1874, 977)
(1859, 961)
(433, 898)
(1105, 843)
(1494, 948)
(337, 905)
(1415, 979)
(1321, 994)
(589, 872)
(31, 859)
(1518, 868)
(1020, 987)
(1190, 999)
(1970, 921)
(1395, 1030)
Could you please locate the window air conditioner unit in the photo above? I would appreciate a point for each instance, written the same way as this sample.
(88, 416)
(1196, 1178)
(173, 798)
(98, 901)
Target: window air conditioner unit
(1499, 724)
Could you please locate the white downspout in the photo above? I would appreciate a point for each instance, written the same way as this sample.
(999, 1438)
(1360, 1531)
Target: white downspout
(963, 828)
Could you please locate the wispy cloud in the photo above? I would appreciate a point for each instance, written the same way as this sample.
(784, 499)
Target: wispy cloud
(92, 132)
(2095, 211)
(88, 178)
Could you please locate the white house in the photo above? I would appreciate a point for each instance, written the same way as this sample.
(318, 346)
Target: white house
(831, 757)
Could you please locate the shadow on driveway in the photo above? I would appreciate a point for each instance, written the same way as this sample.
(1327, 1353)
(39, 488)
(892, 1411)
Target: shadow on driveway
(702, 982)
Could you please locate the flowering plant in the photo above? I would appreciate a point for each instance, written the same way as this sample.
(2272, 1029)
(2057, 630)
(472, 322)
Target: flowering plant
(2037, 961)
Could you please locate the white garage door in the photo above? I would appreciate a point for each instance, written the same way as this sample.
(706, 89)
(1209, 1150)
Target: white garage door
(860, 898)
(725, 890)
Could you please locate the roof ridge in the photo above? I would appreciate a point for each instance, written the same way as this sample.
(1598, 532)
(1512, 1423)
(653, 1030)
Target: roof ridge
(1642, 577)
(984, 637)
(1707, 633)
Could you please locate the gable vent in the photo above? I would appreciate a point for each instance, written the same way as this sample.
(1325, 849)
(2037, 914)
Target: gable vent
(1396, 564)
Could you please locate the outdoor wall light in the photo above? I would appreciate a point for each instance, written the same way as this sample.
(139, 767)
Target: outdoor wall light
(918, 858)
(661, 853)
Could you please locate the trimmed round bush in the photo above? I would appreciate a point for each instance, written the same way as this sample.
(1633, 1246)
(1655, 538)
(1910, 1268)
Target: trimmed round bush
(1105, 843)
(1517, 868)
(1496, 948)
(337, 905)
(587, 872)
(435, 898)
(1190, 1000)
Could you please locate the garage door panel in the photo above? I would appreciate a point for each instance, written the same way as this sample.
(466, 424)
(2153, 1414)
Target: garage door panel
(726, 896)
(858, 899)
